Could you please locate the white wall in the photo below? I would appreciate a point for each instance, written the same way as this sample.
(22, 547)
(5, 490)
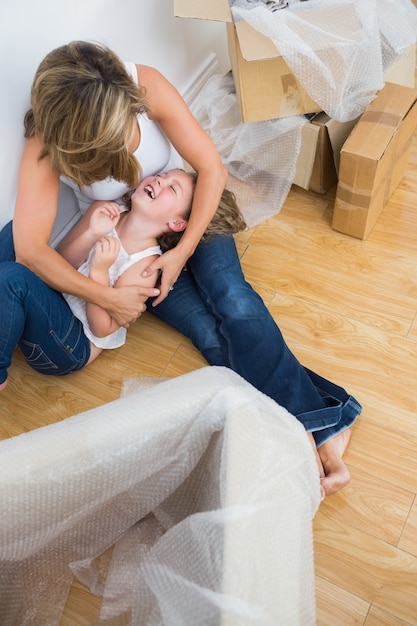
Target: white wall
(144, 31)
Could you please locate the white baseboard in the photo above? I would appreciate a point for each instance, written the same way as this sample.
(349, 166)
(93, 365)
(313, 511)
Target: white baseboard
(206, 69)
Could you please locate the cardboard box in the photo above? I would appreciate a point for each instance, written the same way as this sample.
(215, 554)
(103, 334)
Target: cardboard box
(317, 167)
(374, 159)
(322, 139)
(318, 161)
(265, 86)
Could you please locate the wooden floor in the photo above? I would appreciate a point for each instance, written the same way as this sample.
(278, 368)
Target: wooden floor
(348, 310)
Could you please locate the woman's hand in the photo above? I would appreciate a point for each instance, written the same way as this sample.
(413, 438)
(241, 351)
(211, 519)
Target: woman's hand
(171, 263)
(126, 304)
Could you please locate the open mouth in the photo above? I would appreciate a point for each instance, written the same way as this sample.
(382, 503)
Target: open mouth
(149, 190)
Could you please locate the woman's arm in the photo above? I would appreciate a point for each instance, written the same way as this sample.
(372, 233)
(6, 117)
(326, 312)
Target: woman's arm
(168, 108)
(35, 213)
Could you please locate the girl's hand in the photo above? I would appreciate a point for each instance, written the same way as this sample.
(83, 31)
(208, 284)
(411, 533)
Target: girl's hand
(106, 251)
(104, 218)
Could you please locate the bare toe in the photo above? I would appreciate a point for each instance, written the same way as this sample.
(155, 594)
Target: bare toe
(336, 473)
(336, 480)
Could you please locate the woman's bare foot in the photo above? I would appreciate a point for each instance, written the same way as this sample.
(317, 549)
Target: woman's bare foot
(336, 473)
(319, 464)
(2, 385)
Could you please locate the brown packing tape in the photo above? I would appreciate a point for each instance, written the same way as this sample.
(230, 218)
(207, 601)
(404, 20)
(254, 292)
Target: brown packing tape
(381, 117)
(353, 198)
(355, 220)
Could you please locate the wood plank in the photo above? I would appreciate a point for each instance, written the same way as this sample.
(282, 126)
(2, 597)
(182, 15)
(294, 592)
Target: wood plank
(366, 567)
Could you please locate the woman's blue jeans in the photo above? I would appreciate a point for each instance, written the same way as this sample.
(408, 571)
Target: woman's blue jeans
(37, 319)
(228, 322)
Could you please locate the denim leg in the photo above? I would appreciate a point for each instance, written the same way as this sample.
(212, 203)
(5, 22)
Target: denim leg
(256, 348)
(6, 243)
(185, 310)
(350, 409)
(38, 320)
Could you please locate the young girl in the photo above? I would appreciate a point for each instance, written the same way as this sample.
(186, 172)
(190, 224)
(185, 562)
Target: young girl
(112, 247)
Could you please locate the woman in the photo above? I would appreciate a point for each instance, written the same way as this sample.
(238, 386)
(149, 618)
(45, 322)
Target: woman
(211, 302)
(63, 138)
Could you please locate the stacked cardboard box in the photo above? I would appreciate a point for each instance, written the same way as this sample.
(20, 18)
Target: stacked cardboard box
(265, 86)
(322, 139)
(267, 89)
(374, 159)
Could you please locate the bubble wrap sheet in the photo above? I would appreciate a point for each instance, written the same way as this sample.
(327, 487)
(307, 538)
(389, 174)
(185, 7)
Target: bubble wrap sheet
(338, 49)
(206, 489)
(260, 157)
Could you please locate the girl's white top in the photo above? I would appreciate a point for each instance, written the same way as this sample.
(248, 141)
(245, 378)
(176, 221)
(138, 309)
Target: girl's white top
(121, 264)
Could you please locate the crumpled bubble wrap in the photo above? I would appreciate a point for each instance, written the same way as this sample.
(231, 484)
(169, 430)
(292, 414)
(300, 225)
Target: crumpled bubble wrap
(338, 49)
(187, 502)
(261, 157)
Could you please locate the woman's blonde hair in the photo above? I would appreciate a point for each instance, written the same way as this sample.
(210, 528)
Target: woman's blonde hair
(227, 219)
(83, 106)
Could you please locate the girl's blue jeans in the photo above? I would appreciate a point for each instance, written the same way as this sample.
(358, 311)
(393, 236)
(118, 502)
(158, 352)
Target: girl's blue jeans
(211, 303)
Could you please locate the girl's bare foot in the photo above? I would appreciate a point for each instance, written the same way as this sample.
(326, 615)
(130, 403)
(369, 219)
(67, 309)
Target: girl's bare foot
(2, 385)
(336, 473)
(319, 464)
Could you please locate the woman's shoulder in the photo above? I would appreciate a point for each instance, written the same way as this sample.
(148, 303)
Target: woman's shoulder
(36, 168)
(151, 78)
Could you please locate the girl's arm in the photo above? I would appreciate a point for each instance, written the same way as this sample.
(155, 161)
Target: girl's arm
(35, 213)
(99, 219)
(106, 253)
(168, 108)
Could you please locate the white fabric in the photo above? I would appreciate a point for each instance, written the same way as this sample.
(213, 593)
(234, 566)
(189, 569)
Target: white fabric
(79, 307)
(206, 487)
